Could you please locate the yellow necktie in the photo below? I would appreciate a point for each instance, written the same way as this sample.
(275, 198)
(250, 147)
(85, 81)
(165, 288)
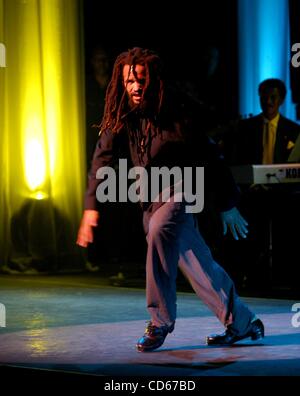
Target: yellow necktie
(268, 144)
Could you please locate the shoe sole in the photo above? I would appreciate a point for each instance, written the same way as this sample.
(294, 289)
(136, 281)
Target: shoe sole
(256, 337)
(253, 338)
(140, 348)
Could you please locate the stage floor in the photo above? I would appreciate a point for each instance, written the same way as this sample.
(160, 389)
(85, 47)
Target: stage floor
(81, 324)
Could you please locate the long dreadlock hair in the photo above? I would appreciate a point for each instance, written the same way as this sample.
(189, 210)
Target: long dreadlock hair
(116, 102)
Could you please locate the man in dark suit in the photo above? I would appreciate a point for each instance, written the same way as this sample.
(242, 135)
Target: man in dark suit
(268, 138)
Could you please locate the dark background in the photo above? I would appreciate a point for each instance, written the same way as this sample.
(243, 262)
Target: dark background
(181, 33)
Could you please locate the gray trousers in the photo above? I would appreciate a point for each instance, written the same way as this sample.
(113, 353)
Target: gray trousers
(174, 240)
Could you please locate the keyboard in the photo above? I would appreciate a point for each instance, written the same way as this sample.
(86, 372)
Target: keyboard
(266, 174)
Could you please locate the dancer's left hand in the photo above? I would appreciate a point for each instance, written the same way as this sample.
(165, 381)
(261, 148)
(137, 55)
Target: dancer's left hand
(233, 220)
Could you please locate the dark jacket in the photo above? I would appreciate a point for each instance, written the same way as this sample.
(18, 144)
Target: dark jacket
(175, 139)
(248, 140)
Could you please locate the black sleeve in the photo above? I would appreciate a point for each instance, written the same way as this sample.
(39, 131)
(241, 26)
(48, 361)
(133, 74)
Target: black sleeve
(219, 181)
(104, 155)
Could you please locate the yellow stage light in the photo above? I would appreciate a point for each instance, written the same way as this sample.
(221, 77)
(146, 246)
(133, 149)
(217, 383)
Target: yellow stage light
(39, 195)
(35, 166)
(42, 125)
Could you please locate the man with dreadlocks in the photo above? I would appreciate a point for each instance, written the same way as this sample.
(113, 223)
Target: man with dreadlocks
(160, 129)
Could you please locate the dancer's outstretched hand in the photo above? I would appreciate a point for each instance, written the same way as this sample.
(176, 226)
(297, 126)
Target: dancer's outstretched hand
(233, 220)
(89, 220)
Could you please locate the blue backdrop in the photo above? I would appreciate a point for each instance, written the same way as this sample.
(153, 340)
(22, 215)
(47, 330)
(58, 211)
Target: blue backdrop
(264, 51)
